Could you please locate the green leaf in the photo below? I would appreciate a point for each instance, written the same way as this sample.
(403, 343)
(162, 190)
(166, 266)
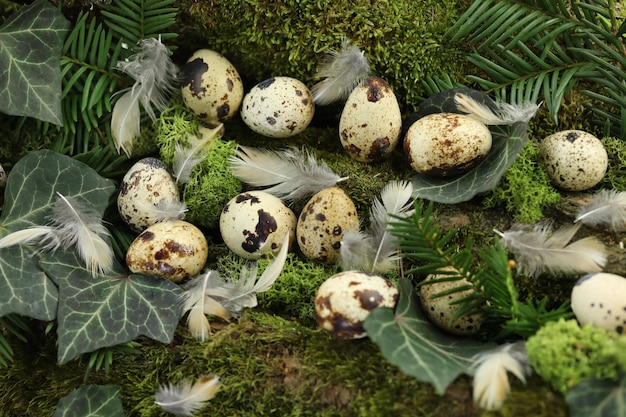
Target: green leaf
(409, 341)
(30, 45)
(91, 401)
(30, 193)
(598, 398)
(111, 309)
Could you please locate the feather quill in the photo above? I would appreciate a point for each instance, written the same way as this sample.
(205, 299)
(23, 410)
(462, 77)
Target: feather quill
(491, 368)
(186, 398)
(607, 207)
(376, 250)
(538, 249)
(342, 71)
(504, 113)
(290, 174)
(187, 157)
(154, 74)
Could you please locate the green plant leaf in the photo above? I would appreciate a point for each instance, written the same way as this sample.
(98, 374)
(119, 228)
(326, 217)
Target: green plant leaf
(111, 309)
(30, 193)
(598, 398)
(30, 45)
(91, 401)
(409, 341)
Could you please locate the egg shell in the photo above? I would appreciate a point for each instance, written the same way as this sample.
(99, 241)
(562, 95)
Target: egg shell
(278, 107)
(344, 301)
(211, 88)
(3, 177)
(599, 299)
(322, 223)
(147, 183)
(574, 159)
(440, 311)
(255, 222)
(370, 124)
(446, 144)
(172, 249)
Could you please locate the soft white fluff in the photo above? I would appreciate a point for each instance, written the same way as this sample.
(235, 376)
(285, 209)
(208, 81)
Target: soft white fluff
(504, 113)
(607, 207)
(187, 157)
(186, 398)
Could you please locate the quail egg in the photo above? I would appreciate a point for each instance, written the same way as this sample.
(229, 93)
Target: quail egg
(212, 88)
(173, 249)
(255, 223)
(343, 302)
(599, 299)
(446, 144)
(370, 124)
(322, 223)
(574, 160)
(278, 107)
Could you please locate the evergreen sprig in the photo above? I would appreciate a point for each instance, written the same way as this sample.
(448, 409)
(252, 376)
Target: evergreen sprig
(540, 49)
(17, 326)
(134, 20)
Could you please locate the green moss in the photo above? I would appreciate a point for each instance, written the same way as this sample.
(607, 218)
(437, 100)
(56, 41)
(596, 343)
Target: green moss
(525, 189)
(615, 176)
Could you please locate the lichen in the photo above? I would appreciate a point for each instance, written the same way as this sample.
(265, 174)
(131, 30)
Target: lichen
(615, 176)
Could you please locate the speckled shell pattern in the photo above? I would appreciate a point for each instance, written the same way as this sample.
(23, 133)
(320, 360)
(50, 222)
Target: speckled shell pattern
(599, 299)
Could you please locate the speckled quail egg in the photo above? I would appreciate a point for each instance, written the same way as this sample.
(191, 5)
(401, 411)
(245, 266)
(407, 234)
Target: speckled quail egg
(212, 88)
(278, 107)
(446, 144)
(370, 124)
(254, 223)
(599, 299)
(173, 249)
(3, 178)
(322, 223)
(440, 310)
(147, 185)
(343, 302)
(574, 160)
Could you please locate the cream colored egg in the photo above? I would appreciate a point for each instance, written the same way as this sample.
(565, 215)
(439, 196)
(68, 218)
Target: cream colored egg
(600, 300)
(145, 186)
(3, 178)
(574, 160)
(344, 301)
(370, 124)
(172, 249)
(446, 144)
(255, 223)
(278, 107)
(322, 223)
(212, 88)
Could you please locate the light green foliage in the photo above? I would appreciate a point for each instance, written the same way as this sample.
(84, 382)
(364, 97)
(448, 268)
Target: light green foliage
(525, 188)
(402, 39)
(615, 176)
(565, 354)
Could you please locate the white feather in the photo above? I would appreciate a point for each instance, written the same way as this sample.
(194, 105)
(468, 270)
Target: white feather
(185, 399)
(154, 74)
(198, 304)
(292, 173)
(30, 236)
(504, 114)
(187, 157)
(607, 207)
(342, 71)
(491, 368)
(376, 250)
(164, 209)
(537, 249)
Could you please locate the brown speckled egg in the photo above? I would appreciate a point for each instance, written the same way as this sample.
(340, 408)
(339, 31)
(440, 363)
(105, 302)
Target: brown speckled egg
(343, 302)
(440, 310)
(370, 124)
(322, 223)
(600, 300)
(3, 178)
(173, 249)
(278, 107)
(212, 88)
(446, 144)
(147, 184)
(574, 160)
(255, 223)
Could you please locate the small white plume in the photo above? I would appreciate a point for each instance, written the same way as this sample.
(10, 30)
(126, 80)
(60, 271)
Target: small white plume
(187, 157)
(504, 113)
(186, 398)
(342, 71)
(607, 207)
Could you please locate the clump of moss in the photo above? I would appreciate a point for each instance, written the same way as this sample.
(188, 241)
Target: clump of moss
(615, 176)
(525, 188)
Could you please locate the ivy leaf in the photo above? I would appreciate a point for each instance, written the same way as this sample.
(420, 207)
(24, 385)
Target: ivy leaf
(409, 341)
(507, 144)
(91, 401)
(31, 41)
(30, 194)
(598, 398)
(111, 309)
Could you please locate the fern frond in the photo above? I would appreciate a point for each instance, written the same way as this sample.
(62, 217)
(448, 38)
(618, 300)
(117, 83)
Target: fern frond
(133, 20)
